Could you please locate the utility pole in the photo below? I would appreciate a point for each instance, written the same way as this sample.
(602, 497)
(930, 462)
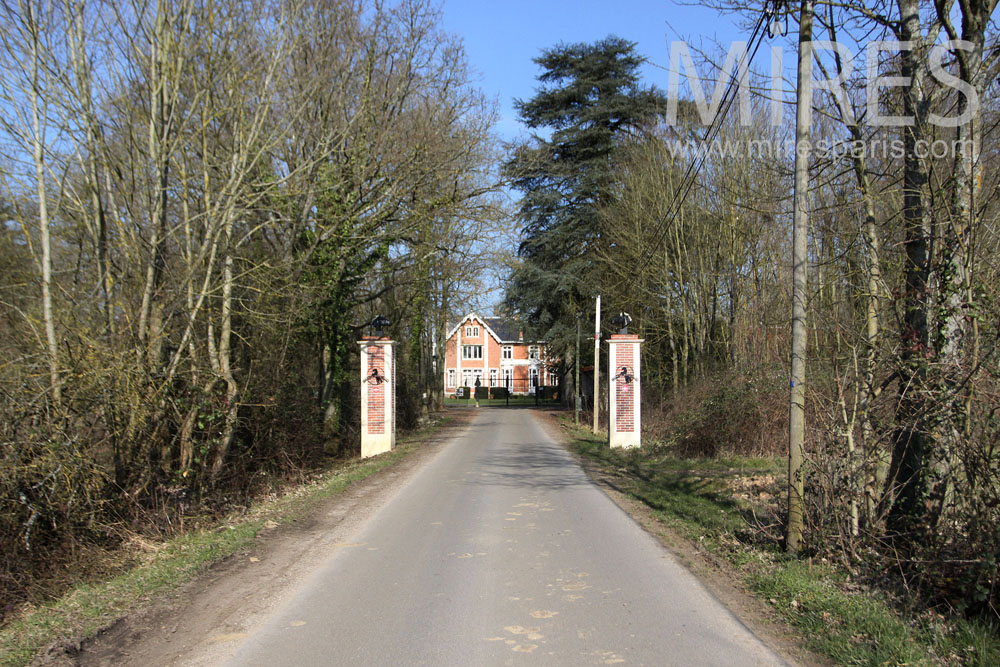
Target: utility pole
(597, 364)
(800, 222)
(576, 385)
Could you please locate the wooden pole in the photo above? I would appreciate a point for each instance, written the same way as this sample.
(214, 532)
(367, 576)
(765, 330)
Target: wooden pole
(597, 364)
(576, 384)
(800, 222)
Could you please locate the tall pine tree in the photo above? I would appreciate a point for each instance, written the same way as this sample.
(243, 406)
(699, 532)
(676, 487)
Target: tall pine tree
(589, 101)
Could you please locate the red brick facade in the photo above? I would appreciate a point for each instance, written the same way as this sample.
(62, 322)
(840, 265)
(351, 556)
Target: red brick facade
(625, 390)
(497, 354)
(624, 399)
(376, 391)
(378, 396)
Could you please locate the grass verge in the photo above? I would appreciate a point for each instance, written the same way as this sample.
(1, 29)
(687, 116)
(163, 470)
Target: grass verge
(91, 606)
(728, 508)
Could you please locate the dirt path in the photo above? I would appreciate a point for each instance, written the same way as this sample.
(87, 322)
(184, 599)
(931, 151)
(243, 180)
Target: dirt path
(502, 552)
(233, 596)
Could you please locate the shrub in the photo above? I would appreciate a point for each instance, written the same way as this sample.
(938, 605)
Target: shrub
(727, 414)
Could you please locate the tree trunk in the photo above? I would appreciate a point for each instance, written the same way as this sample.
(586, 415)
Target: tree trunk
(38, 153)
(797, 395)
(912, 439)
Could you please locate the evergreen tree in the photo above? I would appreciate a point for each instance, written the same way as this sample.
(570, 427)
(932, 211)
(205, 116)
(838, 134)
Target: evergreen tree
(589, 101)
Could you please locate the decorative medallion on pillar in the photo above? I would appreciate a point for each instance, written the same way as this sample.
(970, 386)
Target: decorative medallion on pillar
(623, 369)
(378, 391)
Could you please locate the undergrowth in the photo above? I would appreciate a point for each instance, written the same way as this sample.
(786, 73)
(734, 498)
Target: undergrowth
(90, 606)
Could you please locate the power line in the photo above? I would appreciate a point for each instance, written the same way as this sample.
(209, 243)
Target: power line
(696, 165)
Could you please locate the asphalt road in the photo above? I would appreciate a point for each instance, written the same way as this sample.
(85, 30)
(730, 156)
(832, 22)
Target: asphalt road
(501, 551)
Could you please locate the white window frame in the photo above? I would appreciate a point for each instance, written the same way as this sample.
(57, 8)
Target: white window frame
(472, 332)
(469, 352)
(535, 378)
(508, 377)
(534, 353)
(451, 378)
(468, 377)
(508, 351)
(493, 377)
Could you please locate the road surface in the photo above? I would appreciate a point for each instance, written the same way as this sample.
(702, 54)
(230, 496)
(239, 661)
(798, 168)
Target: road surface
(501, 552)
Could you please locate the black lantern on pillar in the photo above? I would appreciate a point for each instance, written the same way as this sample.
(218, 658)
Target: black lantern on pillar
(622, 320)
(380, 324)
(625, 373)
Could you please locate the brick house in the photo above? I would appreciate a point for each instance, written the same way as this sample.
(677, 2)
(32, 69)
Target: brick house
(495, 351)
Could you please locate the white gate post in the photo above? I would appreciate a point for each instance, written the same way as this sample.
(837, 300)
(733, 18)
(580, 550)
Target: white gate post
(378, 395)
(624, 390)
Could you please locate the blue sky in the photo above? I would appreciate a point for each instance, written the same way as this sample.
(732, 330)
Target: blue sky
(502, 36)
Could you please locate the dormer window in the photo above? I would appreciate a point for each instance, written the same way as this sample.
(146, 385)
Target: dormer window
(472, 332)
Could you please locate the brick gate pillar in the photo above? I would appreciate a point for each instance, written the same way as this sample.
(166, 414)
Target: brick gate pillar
(378, 396)
(623, 369)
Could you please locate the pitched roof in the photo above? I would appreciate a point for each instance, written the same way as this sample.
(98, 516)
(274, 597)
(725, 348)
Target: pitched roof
(503, 329)
(453, 327)
(506, 330)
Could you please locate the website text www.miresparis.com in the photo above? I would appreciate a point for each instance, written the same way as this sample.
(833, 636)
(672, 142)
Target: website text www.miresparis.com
(879, 78)
(820, 149)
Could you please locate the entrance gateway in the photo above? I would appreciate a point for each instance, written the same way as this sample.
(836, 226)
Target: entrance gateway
(378, 389)
(624, 385)
(378, 395)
